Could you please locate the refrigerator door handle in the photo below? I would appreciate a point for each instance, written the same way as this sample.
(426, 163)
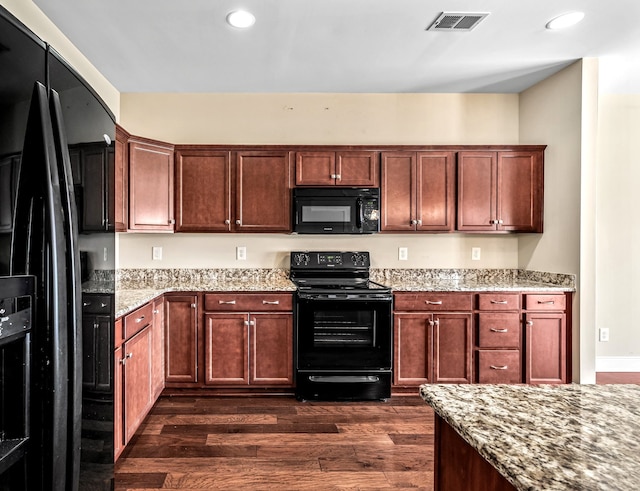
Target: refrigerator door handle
(73, 287)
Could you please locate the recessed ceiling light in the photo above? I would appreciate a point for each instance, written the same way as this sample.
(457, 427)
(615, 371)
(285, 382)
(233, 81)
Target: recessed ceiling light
(565, 20)
(241, 19)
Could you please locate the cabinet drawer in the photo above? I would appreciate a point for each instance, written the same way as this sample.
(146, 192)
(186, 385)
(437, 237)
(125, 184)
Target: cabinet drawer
(499, 301)
(450, 302)
(499, 330)
(499, 367)
(96, 304)
(248, 302)
(545, 302)
(137, 320)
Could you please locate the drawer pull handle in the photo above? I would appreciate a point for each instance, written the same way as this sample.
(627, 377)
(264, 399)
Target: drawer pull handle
(498, 367)
(493, 329)
(269, 302)
(546, 302)
(139, 319)
(500, 302)
(229, 302)
(437, 302)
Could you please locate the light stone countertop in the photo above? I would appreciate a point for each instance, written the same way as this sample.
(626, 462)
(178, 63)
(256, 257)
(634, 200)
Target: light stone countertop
(549, 437)
(135, 287)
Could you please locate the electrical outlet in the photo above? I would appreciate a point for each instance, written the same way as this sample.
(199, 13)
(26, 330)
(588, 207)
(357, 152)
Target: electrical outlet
(241, 253)
(603, 333)
(475, 253)
(156, 253)
(403, 253)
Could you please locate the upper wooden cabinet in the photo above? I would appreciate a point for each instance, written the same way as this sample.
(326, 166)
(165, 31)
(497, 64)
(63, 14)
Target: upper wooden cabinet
(121, 171)
(343, 168)
(500, 191)
(418, 191)
(203, 191)
(225, 191)
(150, 186)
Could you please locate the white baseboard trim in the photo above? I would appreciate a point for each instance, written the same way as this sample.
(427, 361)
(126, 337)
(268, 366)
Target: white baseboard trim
(618, 364)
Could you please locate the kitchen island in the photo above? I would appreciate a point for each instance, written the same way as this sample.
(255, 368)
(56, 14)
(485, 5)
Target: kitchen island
(541, 437)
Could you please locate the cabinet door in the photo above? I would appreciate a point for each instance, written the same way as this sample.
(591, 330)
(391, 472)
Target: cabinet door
(315, 168)
(118, 409)
(227, 349)
(181, 339)
(520, 191)
(158, 346)
(138, 395)
(94, 182)
(452, 348)
(545, 348)
(271, 344)
(121, 180)
(97, 350)
(435, 188)
(398, 200)
(476, 191)
(412, 349)
(203, 191)
(263, 192)
(357, 169)
(150, 187)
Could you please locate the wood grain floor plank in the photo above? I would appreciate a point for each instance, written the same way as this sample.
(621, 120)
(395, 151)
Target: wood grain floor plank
(278, 443)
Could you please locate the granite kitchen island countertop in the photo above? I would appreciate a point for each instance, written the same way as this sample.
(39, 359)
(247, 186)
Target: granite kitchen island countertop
(560, 437)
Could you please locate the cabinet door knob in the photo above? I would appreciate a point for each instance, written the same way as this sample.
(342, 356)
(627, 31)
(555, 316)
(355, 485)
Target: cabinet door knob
(419, 222)
(238, 222)
(529, 323)
(84, 304)
(129, 355)
(414, 222)
(193, 305)
(227, 221)
(103, 305)
(172, 221)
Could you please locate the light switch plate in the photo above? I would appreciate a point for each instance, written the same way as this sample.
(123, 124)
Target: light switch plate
(403, 253)
(475, 254)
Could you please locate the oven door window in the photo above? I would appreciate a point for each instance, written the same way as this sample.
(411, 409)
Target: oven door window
(343, 334)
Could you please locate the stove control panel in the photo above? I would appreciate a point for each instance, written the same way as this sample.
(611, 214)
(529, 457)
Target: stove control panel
(340, 260)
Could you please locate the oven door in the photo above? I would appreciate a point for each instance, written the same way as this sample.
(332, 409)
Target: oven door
(336, 332)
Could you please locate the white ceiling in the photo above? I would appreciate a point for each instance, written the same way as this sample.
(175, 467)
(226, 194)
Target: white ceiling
(346, 46)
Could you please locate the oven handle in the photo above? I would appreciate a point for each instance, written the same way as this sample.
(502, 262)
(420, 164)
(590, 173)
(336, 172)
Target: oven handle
(341, 379)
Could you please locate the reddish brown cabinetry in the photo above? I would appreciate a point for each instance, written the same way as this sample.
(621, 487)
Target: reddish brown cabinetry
(341, 168)
(418, 190)
(157, 368)
(546, 340)
(150, 186)
(498, 339)
(432, 338)
(121, 180)
(500, 191)
(248, 340)
(181, 340)
(233, 191)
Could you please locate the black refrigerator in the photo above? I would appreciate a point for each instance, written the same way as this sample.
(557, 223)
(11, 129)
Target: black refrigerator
(48, 114)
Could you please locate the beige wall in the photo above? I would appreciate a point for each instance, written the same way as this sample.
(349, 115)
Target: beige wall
(561, 111)
(30, 15)
(618, 225)
(321, 119)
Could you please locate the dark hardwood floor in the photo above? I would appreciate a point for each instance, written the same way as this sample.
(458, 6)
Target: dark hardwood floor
(238, 443)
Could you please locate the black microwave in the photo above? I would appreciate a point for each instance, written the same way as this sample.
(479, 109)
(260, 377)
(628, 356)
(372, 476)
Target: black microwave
(336, 210)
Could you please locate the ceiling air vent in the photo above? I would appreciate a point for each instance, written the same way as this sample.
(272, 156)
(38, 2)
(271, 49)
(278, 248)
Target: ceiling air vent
(456, 21)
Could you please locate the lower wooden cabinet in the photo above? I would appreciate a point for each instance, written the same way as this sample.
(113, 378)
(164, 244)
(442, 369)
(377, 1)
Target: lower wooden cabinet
(248, 340)
(432, 347)
(545, 321)
(181, 339)
(249, 349)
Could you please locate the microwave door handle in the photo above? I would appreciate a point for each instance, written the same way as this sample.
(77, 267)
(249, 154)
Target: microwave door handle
(359, 211)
